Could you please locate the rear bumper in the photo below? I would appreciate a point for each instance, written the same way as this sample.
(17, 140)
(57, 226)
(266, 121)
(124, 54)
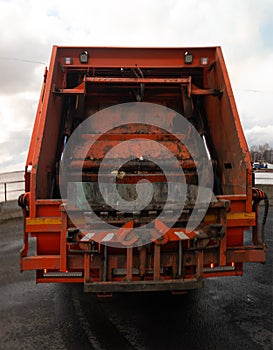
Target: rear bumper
(143, 286)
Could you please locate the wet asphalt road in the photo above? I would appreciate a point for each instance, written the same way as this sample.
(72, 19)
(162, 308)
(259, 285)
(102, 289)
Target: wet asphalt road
(228, 313)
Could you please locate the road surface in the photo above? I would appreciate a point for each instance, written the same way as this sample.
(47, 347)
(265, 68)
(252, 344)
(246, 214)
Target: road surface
(228, 313)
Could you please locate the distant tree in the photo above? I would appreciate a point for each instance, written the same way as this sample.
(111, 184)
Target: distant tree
(264, 147)
(261, 153)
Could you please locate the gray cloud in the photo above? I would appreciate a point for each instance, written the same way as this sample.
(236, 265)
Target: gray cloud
(13, 150)
(30, 28)
(259, 135)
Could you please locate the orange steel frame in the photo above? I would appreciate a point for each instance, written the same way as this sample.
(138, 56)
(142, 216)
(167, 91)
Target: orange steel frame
(46, 218)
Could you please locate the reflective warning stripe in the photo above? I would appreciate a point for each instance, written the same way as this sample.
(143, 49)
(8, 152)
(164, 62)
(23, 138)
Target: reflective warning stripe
(108, 237)
(88, 237)
(44, 221)
(116, 237)
(181, 235)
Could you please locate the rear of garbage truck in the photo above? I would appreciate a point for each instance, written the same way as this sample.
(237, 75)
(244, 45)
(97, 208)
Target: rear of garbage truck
(138, 176)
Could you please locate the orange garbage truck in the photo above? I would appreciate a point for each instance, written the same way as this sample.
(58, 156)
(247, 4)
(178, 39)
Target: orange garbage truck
(138, 176)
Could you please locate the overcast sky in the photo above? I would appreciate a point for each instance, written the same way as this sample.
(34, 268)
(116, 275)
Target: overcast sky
(29, 28)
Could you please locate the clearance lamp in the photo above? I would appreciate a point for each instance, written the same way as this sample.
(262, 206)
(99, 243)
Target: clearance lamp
(188, 58)
(84, 57)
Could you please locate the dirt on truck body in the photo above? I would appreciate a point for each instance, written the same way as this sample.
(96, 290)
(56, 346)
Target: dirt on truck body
(138, 176)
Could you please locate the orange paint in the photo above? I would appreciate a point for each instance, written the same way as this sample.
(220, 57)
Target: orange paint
(71, 93)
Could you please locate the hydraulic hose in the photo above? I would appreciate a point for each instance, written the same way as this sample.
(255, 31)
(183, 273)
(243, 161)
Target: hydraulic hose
(258, 196)
(266, 207)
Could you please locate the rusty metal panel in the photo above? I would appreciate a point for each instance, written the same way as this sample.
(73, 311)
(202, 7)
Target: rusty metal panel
(79, 251)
